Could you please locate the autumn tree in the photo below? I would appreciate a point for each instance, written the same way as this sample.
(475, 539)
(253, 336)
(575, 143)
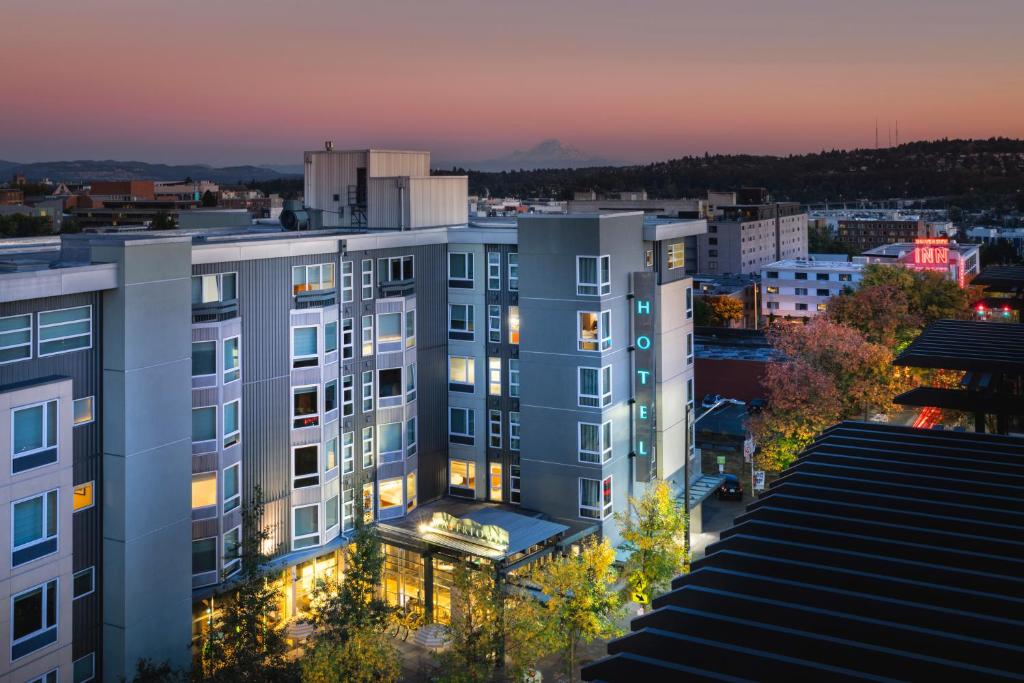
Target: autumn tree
(580, 602)
(725, 310)
(474, 635)
(366, 657)
(340, 609)
(653, 531)
(881, 313)
(930, 295)
(826, 373)
(246, 642)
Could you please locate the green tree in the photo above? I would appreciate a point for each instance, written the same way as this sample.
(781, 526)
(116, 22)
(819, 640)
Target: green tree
(246, 642)
(474, 635)
(146, 671)
(1000, 252)
(341, 609)
(653, 531)
(366, 657)
(526, 636)
(22, 225)
(209, 199)
(163, 221)
(701, 312)
(581, 604)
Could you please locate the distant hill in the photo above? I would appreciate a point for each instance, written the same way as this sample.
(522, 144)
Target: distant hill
(80, 171)
(546, 154)
(965, 172)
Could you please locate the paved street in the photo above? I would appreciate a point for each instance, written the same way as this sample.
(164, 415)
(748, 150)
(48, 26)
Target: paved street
(717, 516)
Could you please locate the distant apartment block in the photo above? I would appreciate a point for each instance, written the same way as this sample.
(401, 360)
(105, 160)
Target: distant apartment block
(747, 232)
(861, 234)
(799, 288)
(591, 202)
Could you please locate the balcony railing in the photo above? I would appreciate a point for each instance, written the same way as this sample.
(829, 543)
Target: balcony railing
(397, 287)
(215, 311)
(316, 298)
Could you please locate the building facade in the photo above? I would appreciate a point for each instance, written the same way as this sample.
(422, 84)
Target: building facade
(799, 288)
(741, 238)
(861, 234)
(491, 391)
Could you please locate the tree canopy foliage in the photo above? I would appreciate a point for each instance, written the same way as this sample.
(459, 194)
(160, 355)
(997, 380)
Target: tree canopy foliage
(653, 530)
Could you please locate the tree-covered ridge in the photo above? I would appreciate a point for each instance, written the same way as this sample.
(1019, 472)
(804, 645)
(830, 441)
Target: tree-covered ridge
(985, 172)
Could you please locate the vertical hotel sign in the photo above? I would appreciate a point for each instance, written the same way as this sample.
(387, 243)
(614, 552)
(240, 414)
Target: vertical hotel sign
(642, 323)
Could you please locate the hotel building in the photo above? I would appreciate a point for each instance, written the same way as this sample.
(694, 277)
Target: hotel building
(485, 390)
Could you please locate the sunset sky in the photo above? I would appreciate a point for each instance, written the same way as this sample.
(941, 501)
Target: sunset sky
(255, 81)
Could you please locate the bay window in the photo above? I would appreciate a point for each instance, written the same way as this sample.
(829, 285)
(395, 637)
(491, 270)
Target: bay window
(595, 498)
(593, 275)
(305, 466)
(305, 526)
(305, 406)
(33, 436)
(33, 527)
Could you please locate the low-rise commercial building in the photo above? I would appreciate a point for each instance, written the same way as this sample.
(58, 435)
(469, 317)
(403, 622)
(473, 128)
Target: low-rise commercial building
(957, 262)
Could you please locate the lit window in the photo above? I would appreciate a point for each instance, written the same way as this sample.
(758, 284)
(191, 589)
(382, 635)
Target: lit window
(461, 373)
(494, 429)
(462, 479)
(494, 271)
(232, 360)
(83, 496)
(649, 258)
(494, 481)
(772, 289)
(594, 387)
(305, 466)
(594, 331)
(822, 308)
(676, 258)
(593, 275)
(84, 583)
(204, 490)
(513, 431)
(595, 498)
(305, 349)
(513, 377)
(204, 424)
(389, 494)
(460, 425)
(595, 442)
(494, 376)
(513, 271)
(83, 410)
(460, 322)
(513, 324)
(232, 432)
(367, 336)
(34, 616)
(410, 491)
(305, 406)
(460, 270)
(15, 338)
(368, 502)
(305, 526)
(212, 289)
(232, 487)
(34, 527)
(312, 278)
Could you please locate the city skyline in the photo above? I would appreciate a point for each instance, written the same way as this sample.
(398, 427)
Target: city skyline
(253, 83)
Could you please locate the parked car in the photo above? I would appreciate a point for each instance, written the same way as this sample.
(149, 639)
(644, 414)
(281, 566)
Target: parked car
(730, 489)
(756, 405)
(710, 400)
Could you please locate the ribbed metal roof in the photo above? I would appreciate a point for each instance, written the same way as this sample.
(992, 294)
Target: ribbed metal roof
(967, 345)
(1001, 278)
(883, 553)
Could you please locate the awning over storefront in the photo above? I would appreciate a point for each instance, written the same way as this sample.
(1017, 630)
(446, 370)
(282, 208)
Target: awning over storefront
(702, 487)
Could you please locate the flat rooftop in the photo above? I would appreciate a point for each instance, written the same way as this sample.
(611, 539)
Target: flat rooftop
(807, 264)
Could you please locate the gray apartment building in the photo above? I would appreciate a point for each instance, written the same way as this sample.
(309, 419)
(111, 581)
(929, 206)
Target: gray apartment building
(748, 231)
(484, 391)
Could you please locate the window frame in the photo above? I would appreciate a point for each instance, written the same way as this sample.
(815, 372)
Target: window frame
(366, 336)
(92, 411)
(30, 344)
(227, 569)
(44, 588)
(468, 437)
(513, 267)
(315, 416)
(320, 283)
(40, 326)
(605, 442)
(410, 328)
(89, 571)
(513, 377)
(603, 341)
(236, 369)
(367, 448)
(327, 347)
(494, 376)
(366, 282)
(494, 323)
(604, 508)
(348, 395)
(494, 428)
(467, 334)
(315, 475)
(467, 385)
(366, 390)
(468, 266)
(493, 271)
(234, 437)
(679, 258)
(348, 347)
(45, 537)
(220, 286)
(348, 452)
(347, 281)
(92, 668)
(91, 486)
(604, 396)
(55, 446)
(299, 361)
(603, 267)
(296, 538)
(231, 502)
(470, 467)
(514, 427)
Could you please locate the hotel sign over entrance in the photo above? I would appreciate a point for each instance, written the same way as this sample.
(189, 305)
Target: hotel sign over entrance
(643, 325)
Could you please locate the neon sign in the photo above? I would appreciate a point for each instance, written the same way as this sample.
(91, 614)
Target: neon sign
(642, 317)
(931, 251)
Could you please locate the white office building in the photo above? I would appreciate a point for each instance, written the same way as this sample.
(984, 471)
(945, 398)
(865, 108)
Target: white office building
(801, 288)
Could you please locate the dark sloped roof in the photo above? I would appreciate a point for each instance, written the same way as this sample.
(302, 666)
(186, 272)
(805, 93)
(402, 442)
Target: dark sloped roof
(883, 553)
(967, 345)
(1001, 278)
(959, 399)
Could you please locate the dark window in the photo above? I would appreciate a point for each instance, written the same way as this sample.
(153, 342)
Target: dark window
(801, 276)
(822, 276)
(306, 472)
(389, 382)
(772, 274)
